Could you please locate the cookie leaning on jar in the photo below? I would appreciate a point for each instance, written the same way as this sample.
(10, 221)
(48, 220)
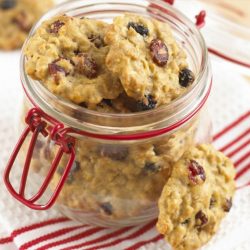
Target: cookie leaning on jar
(196, 197)
(74, 61)
(16, 19)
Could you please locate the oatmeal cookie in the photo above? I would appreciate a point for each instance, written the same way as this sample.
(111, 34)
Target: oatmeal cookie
(67, 54)
(196, 197)
(113, 181)
(16, 19)
(144, 54)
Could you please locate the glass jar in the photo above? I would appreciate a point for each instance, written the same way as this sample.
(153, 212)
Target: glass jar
(109, 169)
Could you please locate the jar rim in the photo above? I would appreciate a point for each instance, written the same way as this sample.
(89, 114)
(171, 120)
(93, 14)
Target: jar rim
(112, 122)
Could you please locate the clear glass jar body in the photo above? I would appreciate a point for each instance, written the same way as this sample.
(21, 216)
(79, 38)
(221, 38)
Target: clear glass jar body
(117, 182)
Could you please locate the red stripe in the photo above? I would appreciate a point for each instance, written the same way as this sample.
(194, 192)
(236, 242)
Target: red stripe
(72, 238)
(6, 240)
(103, 238)
(235, 151)
(228, 58)
(243, 158)
(237, 139)
(130, 237)
(233, 124)
(49, 236)
(242, 171)
(142, 243)
(37, 225)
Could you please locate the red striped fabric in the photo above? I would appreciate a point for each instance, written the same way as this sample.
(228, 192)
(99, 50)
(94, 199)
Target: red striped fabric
(6, 240)
(49, 236)
(93, 238)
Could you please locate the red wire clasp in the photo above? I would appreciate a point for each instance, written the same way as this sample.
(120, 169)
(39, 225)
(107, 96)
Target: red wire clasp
(40, 123)
(200, 19)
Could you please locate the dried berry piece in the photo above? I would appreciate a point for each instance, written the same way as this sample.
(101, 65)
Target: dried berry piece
(201, 219)
(115, 152)
(196, 172)
(147, 104)
(185, 222)
(159, 52)
(107, 102)
(97, 40)
(151, 167)
(83, 104)
(86, 65)
(107, 208)
(75, 167)
(133, 105)
(139, 28)
(186, 77)
(53, 69)
(21, 20)
(7, 4)
(228, 204)
(56, 26)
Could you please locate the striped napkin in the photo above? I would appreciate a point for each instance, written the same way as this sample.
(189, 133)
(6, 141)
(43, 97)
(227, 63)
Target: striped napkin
(62, 233)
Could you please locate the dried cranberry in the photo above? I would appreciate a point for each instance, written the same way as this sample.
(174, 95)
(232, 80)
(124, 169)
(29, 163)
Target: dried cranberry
(159, 52)
(107, 208)
(86, 65)
(139, 28)
(147, 104)
(56, 26)
(115, 152)
(54, 69)
(196, 172)
(151, 167)
(201, 219)
(228, 204)
(7, 4)
(186, 77)
(97, 40)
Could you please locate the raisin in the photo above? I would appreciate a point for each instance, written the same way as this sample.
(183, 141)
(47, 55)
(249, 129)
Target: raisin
(115, 152)
(185, 222)
(83, 104)
(107, 102)
(97, 40)
(107, 208)
(75, 167)
(152, 167)
(147, 104)
(7, 4)
(159, 52)
(186, 77)
(86, 65)
(196, 172)
(228, 204)
(201, 219)
(56, 26)
(139, 28)
(22, 21)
